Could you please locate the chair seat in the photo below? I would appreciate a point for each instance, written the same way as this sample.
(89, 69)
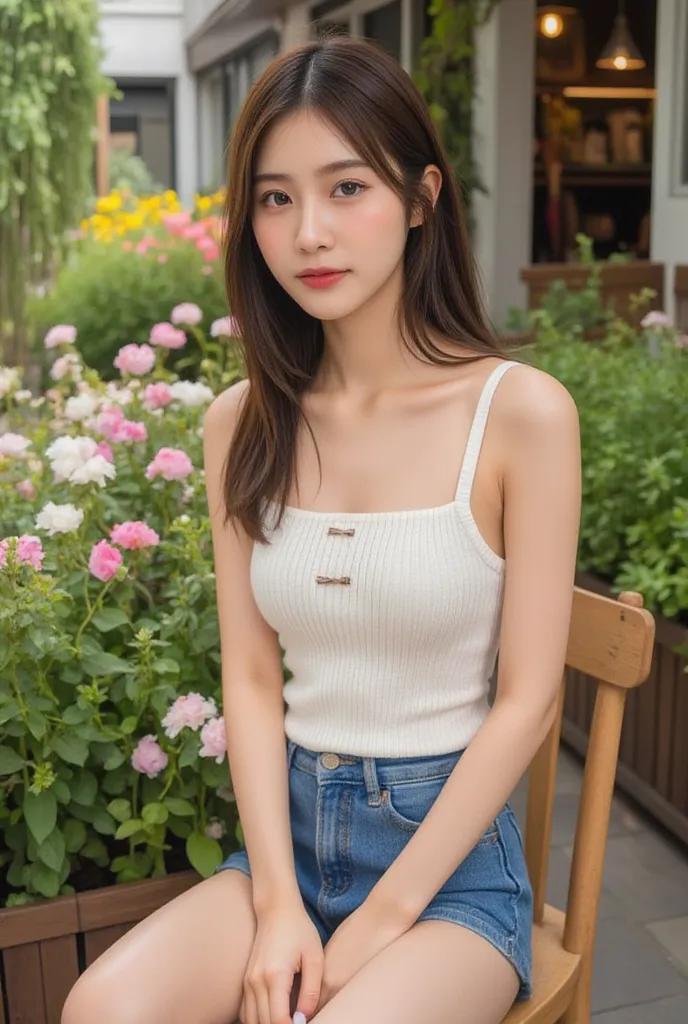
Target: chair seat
(554, 974)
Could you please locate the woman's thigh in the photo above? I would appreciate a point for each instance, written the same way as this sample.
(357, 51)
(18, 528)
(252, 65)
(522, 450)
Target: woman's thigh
(437, 971)
(186, 962)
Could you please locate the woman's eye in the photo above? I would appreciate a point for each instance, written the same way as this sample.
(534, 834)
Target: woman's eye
(342, 184)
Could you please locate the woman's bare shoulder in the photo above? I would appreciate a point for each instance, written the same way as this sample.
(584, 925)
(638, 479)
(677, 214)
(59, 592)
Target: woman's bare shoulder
(528, 397)
(223, 412)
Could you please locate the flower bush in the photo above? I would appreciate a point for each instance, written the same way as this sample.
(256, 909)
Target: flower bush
(127, 266)
(112, 749)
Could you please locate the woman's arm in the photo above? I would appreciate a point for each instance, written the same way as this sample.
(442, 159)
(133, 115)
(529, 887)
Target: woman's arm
(252, 683)
(536, 428)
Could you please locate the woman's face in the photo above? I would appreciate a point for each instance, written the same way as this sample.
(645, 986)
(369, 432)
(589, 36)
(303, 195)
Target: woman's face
(307, 216)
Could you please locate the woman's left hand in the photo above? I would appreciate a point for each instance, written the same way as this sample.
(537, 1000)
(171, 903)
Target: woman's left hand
(357, 940)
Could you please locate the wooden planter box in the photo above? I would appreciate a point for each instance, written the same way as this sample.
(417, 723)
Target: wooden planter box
(653, 759)
(45, 946)
(681, 297)
(619, 281)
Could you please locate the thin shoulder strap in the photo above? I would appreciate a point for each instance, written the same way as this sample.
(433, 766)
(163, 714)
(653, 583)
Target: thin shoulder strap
(477, 431)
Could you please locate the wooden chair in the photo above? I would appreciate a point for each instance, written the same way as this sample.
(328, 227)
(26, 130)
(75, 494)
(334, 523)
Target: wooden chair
(612, 641)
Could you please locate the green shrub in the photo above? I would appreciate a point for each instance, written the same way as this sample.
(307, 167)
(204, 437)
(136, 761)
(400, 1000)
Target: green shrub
(112, 295)
(634, 429)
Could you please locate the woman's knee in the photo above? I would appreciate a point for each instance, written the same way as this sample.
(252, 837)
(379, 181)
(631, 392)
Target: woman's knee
(107, 1000)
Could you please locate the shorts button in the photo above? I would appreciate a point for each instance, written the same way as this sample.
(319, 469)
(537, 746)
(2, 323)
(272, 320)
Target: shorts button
(330, 760)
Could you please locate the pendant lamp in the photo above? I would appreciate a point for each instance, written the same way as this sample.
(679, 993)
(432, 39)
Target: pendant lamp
(621, 53)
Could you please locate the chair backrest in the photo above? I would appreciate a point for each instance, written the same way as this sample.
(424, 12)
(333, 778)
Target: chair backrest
(612, 641)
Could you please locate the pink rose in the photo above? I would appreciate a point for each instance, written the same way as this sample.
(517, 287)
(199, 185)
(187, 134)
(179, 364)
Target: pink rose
(61, 334)
(189, 711)
(656, 318)
(148, 757)
(187, 313)
(130, 430)
(104, 561)
(176, 222)
(212, 254)
(206, 271)
(127, 246)
(195, 230)
(167, 336)
(13, 444)
(29, 551)
(170, 464)
(162, 258)
(134, 534)
(136, 359)
(214, 740)
(105, 450)
(26, 489)
(156, 396)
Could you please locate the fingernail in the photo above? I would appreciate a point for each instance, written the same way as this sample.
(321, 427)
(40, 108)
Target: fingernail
(299, 1018)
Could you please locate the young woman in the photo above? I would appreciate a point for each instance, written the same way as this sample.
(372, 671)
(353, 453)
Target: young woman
(392, 500)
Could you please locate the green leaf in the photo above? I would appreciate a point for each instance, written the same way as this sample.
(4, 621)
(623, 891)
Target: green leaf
(120, 809)
(104, 664)
(204, 853)
(45, 880)
(10, 761)
(71, 748)
(37, 723)
(128, 828)
(164, 666)
(155, 814)
(109, 618)
(84, 788)
(104, 822)
(40, 812)
(75, 835)
(96, 850)
(8, 710)
(129, 725)
(178, 807)
(52, 850)
(115, 760)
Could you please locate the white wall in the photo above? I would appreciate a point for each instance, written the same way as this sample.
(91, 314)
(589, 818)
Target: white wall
(145, 39)
(503, 139)
(669, 243)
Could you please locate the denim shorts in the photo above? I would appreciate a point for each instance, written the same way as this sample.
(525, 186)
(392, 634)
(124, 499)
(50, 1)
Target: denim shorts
(352, 816)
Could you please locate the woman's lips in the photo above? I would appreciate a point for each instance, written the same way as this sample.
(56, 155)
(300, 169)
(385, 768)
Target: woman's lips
(323, 280)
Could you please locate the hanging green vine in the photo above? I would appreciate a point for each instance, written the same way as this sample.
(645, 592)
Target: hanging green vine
(446, 78)
(49, 82)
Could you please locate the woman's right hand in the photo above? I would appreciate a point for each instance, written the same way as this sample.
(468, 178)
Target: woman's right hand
(286, 943)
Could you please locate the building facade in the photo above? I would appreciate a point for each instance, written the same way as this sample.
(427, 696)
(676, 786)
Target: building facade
(185, 66)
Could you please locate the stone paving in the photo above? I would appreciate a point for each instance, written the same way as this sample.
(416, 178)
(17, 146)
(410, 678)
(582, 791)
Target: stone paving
(641, 962)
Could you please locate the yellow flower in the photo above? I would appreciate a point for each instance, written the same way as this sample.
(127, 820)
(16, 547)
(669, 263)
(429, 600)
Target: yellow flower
(109, 204)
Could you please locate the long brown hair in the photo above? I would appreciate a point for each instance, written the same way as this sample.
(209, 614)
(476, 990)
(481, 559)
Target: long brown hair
(367, 97)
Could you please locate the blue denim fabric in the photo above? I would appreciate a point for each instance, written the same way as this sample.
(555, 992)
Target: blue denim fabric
(352, 816)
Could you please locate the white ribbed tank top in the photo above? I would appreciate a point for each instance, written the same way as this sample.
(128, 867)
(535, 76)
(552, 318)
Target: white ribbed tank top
(389, 620)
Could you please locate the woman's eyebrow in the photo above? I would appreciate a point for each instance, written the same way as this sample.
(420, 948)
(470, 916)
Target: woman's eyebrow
(332, 168)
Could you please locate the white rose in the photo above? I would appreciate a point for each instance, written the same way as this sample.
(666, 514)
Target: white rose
(68, 454)
(122, 396)
(80, 407)
(191, 393)
(23, 395)
(66, 366)
(9, 378)
(59, 518)
(95, 471)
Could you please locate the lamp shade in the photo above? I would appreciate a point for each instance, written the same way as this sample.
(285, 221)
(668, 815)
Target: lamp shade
(621, 53)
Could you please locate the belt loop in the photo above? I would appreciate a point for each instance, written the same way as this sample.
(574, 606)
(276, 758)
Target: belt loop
(291, 750)
(371, 782)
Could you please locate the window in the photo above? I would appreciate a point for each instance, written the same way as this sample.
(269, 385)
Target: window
(384, 26)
